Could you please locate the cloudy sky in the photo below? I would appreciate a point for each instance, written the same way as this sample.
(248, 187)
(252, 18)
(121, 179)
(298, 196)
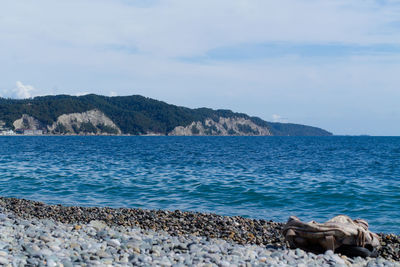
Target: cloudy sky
(334, 64)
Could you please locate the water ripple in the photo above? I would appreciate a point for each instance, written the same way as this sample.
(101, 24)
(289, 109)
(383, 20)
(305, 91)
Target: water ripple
(259, 177)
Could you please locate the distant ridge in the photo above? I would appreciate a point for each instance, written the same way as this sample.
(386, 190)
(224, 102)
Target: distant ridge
(135, 115)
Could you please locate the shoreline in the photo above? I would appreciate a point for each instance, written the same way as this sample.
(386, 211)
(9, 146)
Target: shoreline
(236, 230)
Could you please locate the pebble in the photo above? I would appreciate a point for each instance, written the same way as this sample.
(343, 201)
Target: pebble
(98, 243)
(98, 225)
(114, 243)
(3, 261)
(45, 238)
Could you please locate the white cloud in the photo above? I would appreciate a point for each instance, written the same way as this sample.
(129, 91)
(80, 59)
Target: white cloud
(21, 91)
(81, 93)
(279, 118)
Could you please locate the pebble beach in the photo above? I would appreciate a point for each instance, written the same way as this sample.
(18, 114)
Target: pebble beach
(36, 234)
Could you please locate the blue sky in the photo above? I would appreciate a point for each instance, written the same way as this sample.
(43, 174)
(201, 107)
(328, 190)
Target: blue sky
(331, 64)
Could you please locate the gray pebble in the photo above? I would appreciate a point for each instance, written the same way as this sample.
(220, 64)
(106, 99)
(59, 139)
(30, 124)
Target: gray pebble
(114, 243)
(3, 260)
(44, 242)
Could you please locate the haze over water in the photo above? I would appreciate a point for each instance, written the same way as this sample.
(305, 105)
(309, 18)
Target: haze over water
(314, 178)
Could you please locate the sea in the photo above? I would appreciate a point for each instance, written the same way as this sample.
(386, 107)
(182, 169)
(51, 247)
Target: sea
(270, 178)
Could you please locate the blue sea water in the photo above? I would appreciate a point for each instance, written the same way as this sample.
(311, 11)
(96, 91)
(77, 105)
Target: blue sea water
(314, 178)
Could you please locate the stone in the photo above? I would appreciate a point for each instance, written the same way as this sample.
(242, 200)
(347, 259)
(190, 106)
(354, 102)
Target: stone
(126, 245)
(338, 259)
(51, 263)
(114, 243)
(46, 252)
(45, 238)
(299, 252)
(3, 260)
(98, 225)
(3, 245)
(103, 254)
(329, 253)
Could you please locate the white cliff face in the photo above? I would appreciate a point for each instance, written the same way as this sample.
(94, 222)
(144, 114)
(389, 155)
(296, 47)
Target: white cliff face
(96, 122)
(224, 126)
(73, 123)
(28, 122)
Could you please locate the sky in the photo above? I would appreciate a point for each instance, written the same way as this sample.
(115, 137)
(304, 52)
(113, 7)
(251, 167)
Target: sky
(333, 64)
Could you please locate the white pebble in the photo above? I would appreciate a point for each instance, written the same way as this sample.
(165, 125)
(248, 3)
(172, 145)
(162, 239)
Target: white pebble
(114, 243)
(3, 261)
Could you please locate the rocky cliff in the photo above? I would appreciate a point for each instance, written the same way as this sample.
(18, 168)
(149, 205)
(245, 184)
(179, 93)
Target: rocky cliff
(223, 126)
(134, 115)
(28, 122)
(92, 121)
(89, 122)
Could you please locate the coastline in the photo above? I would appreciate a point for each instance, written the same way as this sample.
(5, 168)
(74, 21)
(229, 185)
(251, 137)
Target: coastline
(260, 235)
